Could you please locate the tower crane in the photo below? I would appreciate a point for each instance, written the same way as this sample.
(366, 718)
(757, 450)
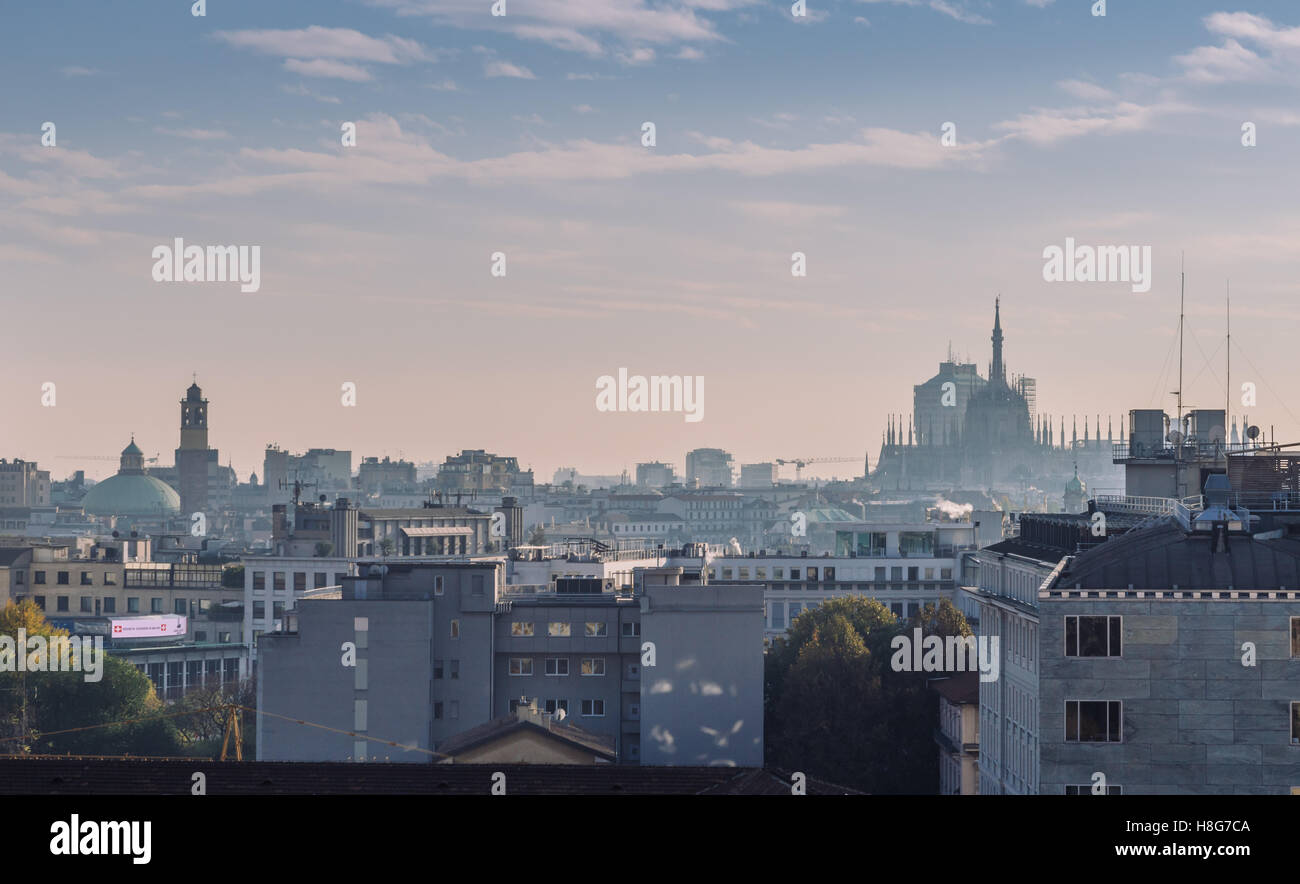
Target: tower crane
(801, 462)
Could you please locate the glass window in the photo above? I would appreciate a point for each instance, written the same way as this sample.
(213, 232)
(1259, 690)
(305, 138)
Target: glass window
(557, 665)
(556, 628)
(299, 581)
(110, 605)
(593, 708)
(521, 665)
(87, 604)
(455, 629)
(437, 669)
(133, 605)
(63, 578)
(631, 629)
(259, 610)
(259, 581)
(454, 668)
(593, 665)
(521, 628)
(1093, 721)
(61, 603)
(1098, 636)
(155, 605)
(87, 579)
(595, 630)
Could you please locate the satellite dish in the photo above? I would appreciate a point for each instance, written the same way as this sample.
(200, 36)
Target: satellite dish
(1252, 431)
(1174, 437)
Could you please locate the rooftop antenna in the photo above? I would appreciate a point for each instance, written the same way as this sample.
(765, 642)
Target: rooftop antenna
(1182, 282)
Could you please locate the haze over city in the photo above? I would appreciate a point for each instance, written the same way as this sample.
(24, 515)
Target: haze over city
(523, 135)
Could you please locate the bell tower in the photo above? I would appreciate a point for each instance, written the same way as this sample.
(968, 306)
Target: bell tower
(192, 455)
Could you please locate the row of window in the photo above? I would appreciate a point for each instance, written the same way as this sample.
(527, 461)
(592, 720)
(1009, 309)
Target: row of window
(109, 604)
(1102, 721)
(559, 666)
(279, 578)
(563, 629)
(828, 574)
(64, 578)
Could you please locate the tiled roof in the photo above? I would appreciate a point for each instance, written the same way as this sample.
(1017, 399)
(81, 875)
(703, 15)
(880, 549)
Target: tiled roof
(502, 727)
(90, 776)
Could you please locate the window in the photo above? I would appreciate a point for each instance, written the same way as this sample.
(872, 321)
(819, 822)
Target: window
(476, 584)
(521, 665)
(794, 573)
(593, 665)
(259, 581)
(39, 577)
(634, 711)
(896, 609)
(61, 603)
(553, 706)
(593, 708)
(633, 670)
(179, 607)
(557, 665)
(744, 573)
(595, 630)
(556, 628)
(812, 573)
(454, 668)
(778, 615)
(110, 579)
(437, 669)
(795, 608)
(1093, 636)
(259, 610)
(913, 574)
(277, 610)
(87, 579)
(277, 581)
(1295, 723)
(945, 573)
(63, 578)
(318, 580)
(200, 635)
(520, 628)
(1295, 637)
(133, 604)
(437, 584)
(1087, 790)
(87, 604)
(631, 629)
(778, 573)
(880, 574)
(155, 605)
(110, 605)
(1093, 721)
(437, 710)
(455, 629)
(223, 636)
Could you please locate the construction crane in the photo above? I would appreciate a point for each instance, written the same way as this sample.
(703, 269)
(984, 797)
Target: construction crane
(153, 459)
(801, 462)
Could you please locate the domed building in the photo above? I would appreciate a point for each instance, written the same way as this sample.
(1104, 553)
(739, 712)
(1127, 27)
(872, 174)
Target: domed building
(1075, 493)
(132, 492)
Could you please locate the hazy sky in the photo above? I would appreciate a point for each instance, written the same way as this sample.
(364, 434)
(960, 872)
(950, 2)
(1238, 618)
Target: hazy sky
(522, 134)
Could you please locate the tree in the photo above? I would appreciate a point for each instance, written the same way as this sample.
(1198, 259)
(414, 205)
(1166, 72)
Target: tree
(324, 548)
(36, 703)
(386, 546)
(836, 709)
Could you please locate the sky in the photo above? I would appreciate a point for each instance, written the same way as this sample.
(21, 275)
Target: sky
(523, 134)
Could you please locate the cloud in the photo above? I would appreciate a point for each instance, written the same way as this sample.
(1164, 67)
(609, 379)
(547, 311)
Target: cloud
(1049, 125)
(506, 69)
(319, 67)
(583, 109)
(1220, 64)
(318, 51)
(1234, 62)
(689, 53)
(444, 86)
(778, 212)
(643, 55)
(957, 10)
(78, 72)
(300, 89)
(1086, 91)
(193, 134)
(591, 27)
(336, 43)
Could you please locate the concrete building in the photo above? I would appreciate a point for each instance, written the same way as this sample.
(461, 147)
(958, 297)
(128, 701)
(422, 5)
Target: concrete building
(709, 468)
(23, 484)
(1170, 655)
(476, 470)
(192, 453)
(443, 647)
(375, 475)
(654, 475)
(958, 734)
(758, 475)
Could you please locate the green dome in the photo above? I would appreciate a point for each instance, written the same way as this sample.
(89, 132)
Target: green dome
(131, 495)
(1074, 486)
(132, 448)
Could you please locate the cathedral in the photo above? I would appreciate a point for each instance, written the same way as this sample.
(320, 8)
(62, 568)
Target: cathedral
(968, 432)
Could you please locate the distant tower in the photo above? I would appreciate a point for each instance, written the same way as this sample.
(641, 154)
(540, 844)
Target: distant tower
(997, 374)
(192, 455)
(1075, 492)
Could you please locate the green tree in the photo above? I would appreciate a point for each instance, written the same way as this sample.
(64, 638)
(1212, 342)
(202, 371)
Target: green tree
(836, 709)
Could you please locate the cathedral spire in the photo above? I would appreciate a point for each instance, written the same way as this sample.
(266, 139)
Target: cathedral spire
(997, 373)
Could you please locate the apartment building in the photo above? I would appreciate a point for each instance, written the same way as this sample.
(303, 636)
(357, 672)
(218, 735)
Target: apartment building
(442, 647)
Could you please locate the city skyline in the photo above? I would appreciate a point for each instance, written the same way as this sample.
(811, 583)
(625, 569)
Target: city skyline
(522, 135)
